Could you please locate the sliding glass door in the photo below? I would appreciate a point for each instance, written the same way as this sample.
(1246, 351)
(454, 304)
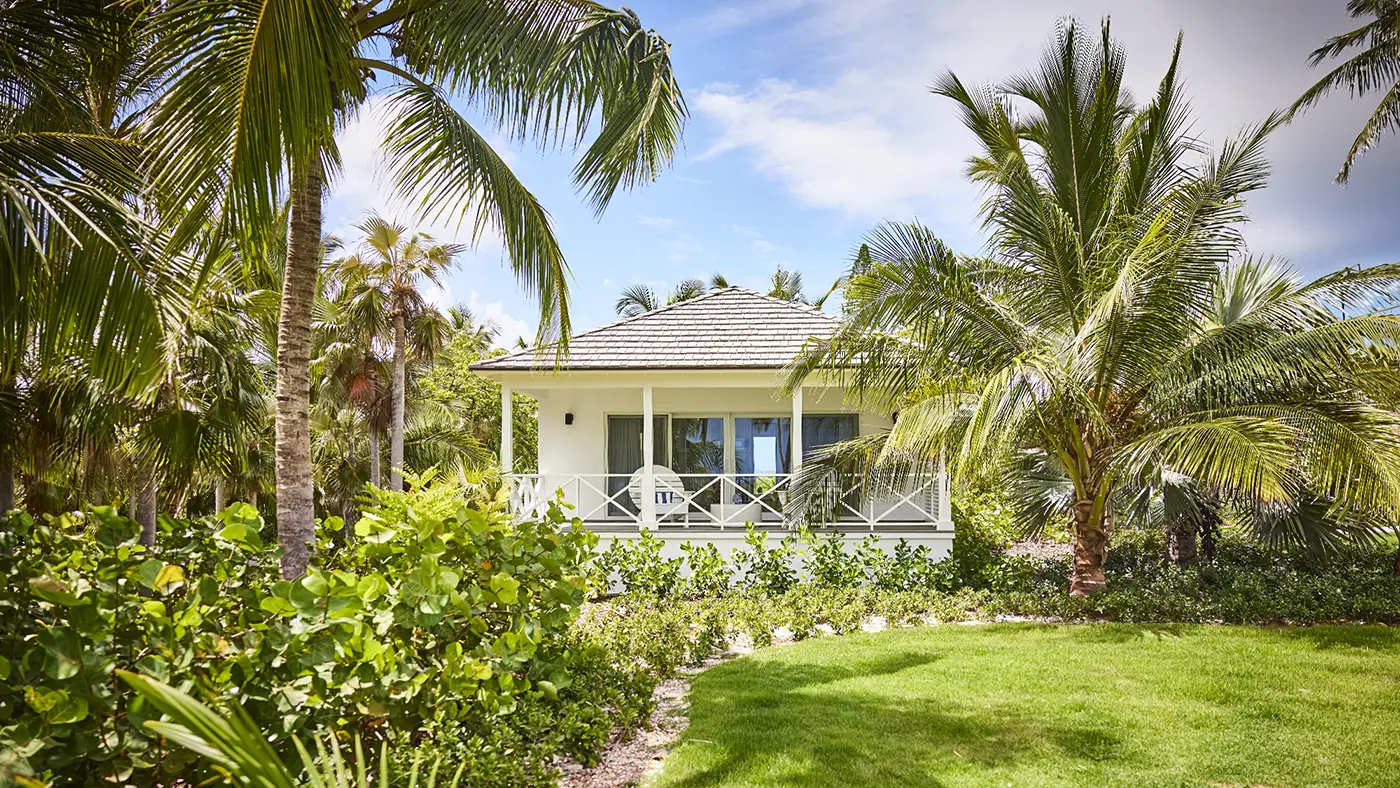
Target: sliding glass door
(762, 458)
(698, 454)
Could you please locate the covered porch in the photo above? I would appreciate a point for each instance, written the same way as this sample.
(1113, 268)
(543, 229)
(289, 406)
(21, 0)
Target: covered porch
(700, 451)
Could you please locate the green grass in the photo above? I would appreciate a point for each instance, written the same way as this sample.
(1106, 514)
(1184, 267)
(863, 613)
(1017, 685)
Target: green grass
(1033, 705)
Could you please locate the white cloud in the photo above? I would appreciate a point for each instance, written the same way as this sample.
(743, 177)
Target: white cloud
(659, 222)
(760, 245)
(512, 328)
(860, 133)
(363, 185)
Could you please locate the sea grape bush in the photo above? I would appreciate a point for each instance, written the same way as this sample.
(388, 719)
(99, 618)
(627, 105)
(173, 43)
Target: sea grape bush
(424, 625)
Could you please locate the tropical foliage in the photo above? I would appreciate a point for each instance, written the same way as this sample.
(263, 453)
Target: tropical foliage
(434, 586)
(1118, 334)
(162, 160)
(1374, 69)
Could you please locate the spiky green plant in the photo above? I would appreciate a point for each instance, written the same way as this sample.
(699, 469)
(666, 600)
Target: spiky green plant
(235, 747)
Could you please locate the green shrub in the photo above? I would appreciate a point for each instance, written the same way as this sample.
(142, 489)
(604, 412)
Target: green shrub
(766, 570)
(638, 566)
(709, 572)
(426, 624)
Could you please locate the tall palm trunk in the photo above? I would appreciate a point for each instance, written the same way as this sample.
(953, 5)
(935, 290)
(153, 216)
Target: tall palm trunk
(7, 480)
(220, 496)
(1090, 546)
(1182, 545)
(8, 449)
(146, 489)
(374, 456)
(296, 526)
(396, 438)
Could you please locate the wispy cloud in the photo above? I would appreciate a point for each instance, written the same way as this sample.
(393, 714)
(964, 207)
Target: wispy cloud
(659, 222)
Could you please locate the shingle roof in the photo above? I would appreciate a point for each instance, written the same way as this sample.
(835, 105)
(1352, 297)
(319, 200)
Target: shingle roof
(732, 328)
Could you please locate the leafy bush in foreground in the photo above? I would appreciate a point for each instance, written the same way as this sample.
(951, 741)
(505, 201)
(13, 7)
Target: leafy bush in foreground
(451, 631)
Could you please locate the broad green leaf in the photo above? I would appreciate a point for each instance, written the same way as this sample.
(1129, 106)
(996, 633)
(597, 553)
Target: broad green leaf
(52, 590)
(63, 651)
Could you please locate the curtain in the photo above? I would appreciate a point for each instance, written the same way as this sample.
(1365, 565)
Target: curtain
(625, 455)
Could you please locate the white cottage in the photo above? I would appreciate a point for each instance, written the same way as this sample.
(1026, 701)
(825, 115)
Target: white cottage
(672, 421)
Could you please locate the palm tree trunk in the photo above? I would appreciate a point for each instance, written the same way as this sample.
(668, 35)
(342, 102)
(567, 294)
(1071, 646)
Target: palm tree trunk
(1090, 546)
(374, 457)
(1397, 551)
(8, 449)
(7, 480)
(396, 439)
(220, 496)
(296, 524)
(146, 489)
(1182, 546)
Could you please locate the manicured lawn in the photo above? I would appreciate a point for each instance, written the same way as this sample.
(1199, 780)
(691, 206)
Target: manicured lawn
(1032, 705)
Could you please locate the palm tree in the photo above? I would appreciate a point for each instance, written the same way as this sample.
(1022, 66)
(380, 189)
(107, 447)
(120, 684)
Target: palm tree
(84, 294)
(258, 92)
(1375, 68)
(481, 334)
(1114, 329)
(637, 299)
(787, 286)
(383, 282)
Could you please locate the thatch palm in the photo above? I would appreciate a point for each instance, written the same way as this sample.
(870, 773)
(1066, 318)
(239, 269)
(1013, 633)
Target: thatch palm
(262, 86)
(383, 283)
(1110, 331)
(1376, 68)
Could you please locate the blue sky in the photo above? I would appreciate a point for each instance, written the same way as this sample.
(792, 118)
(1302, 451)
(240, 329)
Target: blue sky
(811, 122)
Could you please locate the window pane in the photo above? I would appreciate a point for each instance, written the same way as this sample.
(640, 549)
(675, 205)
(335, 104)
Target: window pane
(762, 453)
(819, 431)
(697, 447)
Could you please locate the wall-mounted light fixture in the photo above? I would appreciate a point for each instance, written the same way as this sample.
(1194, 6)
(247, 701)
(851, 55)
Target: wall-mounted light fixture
(568, 418)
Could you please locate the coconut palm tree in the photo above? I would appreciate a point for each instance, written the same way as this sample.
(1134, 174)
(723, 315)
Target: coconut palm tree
(83, 295)
(383, 282)
(787, 286)
(637, 299)
(1376, 68)
(258, 91)
(1115, 328)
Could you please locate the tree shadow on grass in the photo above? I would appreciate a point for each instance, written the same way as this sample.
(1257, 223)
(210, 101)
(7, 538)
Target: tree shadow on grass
(781, 723)
(1372, 638)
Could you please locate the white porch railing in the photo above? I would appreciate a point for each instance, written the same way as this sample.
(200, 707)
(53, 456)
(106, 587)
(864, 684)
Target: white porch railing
(726, 501)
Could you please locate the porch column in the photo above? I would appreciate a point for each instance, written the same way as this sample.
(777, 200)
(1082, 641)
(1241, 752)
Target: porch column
(507, 430)
(796, 430)
(648, 459)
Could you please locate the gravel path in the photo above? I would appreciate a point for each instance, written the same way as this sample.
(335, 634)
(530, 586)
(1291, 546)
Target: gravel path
(630, 762)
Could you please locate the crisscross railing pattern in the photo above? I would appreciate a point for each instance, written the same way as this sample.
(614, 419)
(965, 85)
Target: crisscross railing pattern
(724, 501)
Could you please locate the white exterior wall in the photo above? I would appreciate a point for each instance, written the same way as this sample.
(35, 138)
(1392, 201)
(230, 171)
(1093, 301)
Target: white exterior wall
(582, 446)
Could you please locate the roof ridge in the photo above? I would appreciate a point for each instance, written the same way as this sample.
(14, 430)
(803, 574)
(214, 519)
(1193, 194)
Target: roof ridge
(801, 306)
